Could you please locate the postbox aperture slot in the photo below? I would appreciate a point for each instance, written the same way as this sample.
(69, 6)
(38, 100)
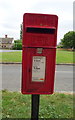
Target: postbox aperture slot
(40, 30)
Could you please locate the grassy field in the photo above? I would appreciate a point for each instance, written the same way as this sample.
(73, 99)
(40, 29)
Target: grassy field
(12, 56)
(62, 56)
(16, 105)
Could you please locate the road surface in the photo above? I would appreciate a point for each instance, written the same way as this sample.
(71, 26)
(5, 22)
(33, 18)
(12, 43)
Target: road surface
(11, 77)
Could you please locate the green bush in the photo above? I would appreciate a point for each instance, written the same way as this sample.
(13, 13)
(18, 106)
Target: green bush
(17, 41)
(17, 45)
(60, 46)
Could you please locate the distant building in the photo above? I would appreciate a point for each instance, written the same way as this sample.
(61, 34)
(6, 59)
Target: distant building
(6, 42)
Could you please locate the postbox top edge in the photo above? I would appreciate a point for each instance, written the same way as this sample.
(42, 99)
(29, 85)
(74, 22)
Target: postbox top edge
(48, 27)
(39, 14)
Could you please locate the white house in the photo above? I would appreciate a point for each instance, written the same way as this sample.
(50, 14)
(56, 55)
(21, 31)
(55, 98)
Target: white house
(6, 42)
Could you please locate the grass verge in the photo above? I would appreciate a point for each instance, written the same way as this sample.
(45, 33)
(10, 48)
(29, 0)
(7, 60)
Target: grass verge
(12, 56)
(62, 56)
(16, 105)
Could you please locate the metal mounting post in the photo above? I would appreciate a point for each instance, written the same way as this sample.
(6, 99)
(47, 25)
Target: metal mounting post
(35, 107)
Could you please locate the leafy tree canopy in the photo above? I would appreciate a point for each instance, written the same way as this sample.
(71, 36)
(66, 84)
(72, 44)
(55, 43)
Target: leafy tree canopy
(17, 41)
(68, 40)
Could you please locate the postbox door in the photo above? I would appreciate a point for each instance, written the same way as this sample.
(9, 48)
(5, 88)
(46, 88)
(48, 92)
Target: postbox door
(38, 71)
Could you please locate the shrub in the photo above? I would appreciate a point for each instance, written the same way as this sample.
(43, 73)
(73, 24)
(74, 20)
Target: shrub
(17, 45)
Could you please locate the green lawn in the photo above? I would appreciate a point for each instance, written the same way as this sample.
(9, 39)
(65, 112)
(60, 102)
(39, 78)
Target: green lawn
(12, 56)
(62, 56)
(16, 105)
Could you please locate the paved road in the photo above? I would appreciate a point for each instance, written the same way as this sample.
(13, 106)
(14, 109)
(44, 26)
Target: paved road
(1, 50)
(11, 77)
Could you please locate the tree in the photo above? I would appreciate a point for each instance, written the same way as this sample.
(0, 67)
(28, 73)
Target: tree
(21, 32)
(68, 40)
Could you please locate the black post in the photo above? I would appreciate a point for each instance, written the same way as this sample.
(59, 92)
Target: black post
(35, 107)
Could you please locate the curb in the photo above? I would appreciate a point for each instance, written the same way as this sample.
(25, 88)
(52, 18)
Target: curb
(21, 63)
(65, 92)
(66, 64)
(10, 63)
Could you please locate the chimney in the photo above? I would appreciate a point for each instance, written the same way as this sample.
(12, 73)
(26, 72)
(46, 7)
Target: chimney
(5, 36)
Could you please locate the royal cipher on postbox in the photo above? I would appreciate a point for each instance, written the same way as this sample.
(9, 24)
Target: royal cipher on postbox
(38, 53)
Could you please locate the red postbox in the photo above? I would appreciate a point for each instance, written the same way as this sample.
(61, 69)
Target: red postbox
(39, 52)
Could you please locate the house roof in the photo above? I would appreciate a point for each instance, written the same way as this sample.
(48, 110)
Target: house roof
(6, 40)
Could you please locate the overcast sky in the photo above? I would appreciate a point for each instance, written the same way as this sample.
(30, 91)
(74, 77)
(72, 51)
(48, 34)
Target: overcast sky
(11, 14)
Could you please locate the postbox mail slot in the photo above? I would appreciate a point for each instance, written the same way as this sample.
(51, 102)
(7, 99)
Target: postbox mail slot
(40, 30)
